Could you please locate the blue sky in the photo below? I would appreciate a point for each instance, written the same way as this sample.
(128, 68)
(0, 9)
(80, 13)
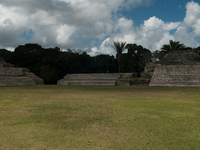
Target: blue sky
(166, 10)
(92, 25)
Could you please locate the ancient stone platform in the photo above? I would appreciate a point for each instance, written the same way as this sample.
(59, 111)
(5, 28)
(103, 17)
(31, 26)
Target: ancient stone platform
(177, 69)
(11, 76)
(176, 75)
(96, 79)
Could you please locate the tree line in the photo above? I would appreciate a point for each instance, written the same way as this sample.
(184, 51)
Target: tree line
(52, 64)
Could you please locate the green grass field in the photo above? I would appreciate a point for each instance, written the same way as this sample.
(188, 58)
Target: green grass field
(99, 117)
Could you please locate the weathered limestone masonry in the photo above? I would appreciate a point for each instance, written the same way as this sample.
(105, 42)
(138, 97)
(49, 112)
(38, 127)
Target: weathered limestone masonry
(97, 79)
(178, 69)
(176, 75)
(11, 76)
(103, 79)
(90, 79)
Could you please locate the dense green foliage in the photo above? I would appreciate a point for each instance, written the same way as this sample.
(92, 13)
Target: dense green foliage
(52, 64)
(119, 47)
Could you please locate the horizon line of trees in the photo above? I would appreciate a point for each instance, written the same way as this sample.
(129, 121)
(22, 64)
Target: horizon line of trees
(52, 64)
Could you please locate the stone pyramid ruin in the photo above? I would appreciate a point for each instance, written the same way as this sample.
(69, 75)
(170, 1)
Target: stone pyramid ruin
(178, 69)
(97, 79)
(11, 76)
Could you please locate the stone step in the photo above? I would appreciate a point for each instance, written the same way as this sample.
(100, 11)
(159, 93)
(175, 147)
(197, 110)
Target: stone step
(9, 71)
(86, 82)
(93, 76)
(128, 75)
(11, 76)
(176, 84)
(15, 81)
(96, 79)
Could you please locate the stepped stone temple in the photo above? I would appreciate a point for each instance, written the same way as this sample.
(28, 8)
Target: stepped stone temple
(177, 68)
(11, 76)
(101, 79)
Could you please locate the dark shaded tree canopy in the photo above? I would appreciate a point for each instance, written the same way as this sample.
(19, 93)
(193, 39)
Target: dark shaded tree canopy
(52, 64)
(119, 47)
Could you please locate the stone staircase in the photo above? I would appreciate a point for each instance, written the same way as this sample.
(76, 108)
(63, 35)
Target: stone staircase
(90, 79)
(11, 76)
(96, 79)
(16, 81)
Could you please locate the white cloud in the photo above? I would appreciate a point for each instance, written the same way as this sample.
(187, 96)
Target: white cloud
(183, 36)
(63, 34)
(42, 18)
(155, 32)
(170, 26)
(72, 23)
(124, 25)
(55, 22)
(152, 34)
(192, 18)
(104, 48)
(152, 23)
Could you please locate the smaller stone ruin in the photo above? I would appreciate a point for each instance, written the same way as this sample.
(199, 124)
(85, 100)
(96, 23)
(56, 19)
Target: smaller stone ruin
(90, 79)
(11, 76)
(178, 69)
(101, 79)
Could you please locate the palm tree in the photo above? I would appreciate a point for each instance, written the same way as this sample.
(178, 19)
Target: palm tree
(139, 56)
(172, 46)
(119, 48)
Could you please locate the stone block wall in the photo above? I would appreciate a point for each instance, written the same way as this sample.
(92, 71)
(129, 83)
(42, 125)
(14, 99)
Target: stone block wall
(176, 75)
(16, 81)
(188, 57)
(93, 76)
(11, 71)
(11, 76)
(90, 79)
(102, 79)
(150, 67)
(35, 78)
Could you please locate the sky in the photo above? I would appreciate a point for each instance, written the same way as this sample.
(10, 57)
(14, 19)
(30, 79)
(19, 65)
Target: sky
(93, 25)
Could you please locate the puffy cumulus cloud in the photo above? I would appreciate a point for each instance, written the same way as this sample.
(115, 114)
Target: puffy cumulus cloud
(63, 34)
(124, 25)
(192, 18)
(104, 48)
(59, 22)
(155, 23)
(152, 34)
(123, 32)
(8, 17)
(152, 23)
(43, 19)
(155, 32)
(86, 23)
(188, 38)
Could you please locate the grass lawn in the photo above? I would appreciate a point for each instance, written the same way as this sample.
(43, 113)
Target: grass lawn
(99, 117)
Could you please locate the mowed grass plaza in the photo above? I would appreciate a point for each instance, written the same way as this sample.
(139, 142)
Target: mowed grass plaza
(55, 117)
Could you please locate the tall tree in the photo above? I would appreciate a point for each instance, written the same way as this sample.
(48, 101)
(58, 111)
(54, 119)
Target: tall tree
(139, 57)
(172, 46)
(119, 48)
(105, 63)
(157, 55)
